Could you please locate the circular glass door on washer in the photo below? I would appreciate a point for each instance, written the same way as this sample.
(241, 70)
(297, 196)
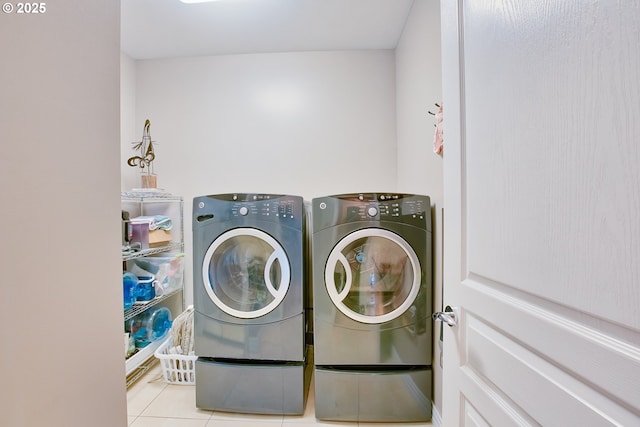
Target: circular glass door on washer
(250, 301)
(372, 294)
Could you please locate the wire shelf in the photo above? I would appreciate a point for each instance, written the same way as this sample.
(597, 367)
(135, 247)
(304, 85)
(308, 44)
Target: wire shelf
(142, 195)
(139, 308)
(126, 256)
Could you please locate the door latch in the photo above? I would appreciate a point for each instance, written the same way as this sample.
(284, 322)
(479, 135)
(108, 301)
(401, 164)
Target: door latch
(447, 316)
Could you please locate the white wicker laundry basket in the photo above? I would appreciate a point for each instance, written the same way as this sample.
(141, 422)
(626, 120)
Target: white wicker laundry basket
(176, 368)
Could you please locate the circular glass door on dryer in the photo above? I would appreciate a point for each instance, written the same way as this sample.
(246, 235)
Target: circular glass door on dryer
(373, 275)
(246, 273)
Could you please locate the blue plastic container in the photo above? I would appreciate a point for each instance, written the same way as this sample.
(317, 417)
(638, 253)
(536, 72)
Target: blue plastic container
(146, 288)
(152, 325)
(129, 289)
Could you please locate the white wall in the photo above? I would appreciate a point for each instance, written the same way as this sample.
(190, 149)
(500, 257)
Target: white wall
(310, 124)
(418, 87)
(61, 362)
(301, 123)
(129, 131)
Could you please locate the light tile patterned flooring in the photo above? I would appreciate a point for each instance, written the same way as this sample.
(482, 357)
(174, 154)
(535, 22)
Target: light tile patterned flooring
(153, 403)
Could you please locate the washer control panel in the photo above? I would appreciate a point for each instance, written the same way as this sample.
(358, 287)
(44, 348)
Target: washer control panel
(387, 206)
(248, 206)
(397, 207)
(279, 208)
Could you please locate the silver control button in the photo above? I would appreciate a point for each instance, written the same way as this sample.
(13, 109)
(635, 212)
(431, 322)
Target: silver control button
(244, 210)
(372, 211)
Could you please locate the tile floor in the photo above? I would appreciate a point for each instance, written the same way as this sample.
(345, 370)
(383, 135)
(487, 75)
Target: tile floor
(153, 403)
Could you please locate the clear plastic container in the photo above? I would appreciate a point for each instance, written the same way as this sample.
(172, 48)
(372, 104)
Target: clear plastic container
(168, 270)
(152, 325)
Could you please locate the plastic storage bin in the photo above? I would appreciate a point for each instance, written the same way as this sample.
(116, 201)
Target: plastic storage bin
(176, 368)
(152, 325)
(168, 270)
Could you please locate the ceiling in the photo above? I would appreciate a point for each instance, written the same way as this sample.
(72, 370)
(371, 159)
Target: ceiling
(168, 28)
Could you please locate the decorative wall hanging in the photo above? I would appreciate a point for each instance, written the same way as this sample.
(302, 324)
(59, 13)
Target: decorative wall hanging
(144, 161)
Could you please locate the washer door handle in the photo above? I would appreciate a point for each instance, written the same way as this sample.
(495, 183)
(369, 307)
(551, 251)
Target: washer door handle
(276, 255)
(348, 279)
(447, 316)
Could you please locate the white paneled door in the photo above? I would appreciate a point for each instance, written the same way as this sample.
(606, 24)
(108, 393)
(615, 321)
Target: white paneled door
(542, 212)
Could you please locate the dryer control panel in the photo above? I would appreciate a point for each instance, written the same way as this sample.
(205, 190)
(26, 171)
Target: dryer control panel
(248, 206)
(397, 207)
(277, 208)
